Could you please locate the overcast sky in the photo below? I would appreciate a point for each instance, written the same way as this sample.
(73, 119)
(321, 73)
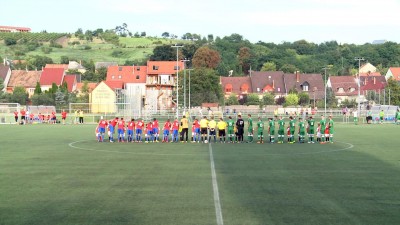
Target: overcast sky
(346, 21)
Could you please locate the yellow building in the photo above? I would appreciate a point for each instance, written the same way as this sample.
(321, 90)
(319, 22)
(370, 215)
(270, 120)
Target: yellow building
(103, 97)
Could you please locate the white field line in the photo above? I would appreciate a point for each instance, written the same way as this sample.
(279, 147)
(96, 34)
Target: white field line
(217, 202)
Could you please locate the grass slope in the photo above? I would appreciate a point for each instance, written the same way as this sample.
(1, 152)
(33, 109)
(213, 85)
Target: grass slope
(45, 181)
(136, 49)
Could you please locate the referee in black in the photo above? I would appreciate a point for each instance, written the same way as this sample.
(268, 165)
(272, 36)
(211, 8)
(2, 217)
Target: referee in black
(240, 128)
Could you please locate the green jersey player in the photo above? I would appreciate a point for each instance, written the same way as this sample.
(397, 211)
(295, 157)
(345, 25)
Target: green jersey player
(260, 130)
(331, 130)
(311, 131)
(231, 129)
(302, 130)
(271, 124)
(281, 130)
(292, 127)
(250, 129)
(323, 124)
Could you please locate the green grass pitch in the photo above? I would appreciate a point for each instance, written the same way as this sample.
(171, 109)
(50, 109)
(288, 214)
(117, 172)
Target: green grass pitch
(55, 174)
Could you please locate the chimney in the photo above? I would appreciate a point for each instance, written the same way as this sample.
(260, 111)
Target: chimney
(374, 80)
(297, 77)
(273, 84)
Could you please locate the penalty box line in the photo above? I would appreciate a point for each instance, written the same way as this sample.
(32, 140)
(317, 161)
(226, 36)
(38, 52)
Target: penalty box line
(217, 202)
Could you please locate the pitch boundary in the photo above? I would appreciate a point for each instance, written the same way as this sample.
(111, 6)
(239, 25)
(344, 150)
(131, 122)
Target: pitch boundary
(217, 202)
(72, 145)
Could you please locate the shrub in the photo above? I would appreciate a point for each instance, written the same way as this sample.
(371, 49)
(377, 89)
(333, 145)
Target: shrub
(10, 41)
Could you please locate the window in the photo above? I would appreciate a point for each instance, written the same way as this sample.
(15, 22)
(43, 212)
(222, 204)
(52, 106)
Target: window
(137, 77)
(120, 68)
(155, 67)
(305, 86)
(279, 89)
(228, 88)
(138, 68)
(119, 76)
(244, 88)
(112, 77)
(176, 67)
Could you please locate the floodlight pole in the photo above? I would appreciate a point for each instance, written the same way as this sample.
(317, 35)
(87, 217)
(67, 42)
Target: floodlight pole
(326, 81)
(177, 77)
(359, 59)
(189, 89)
(184, 82)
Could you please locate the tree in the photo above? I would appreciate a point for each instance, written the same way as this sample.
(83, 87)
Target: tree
(292, 100)
(205, 87)
(19, 95)
(244, 56)
(288, 68)
(122, 30)
(394, 88)
(268, 66)
(38, 89)
(143, 34)
(59, 97)
(252, 99)
(206, 58)
(281, 100)
(78, 32)
(10, 41)
(64, 60)
(268, 99)
(304, 98)
(165, 35)
(42, 99)
(210, 38)
(163, 53)
(232, 100)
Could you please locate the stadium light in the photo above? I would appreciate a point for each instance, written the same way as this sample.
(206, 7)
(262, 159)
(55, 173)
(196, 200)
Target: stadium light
(184, 81)
(359, 59)
(177, 77)
(326, 81)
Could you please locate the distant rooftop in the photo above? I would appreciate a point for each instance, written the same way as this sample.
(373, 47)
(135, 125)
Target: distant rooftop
(379, 42)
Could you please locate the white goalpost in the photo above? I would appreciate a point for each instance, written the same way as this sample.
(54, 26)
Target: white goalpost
(7, 112)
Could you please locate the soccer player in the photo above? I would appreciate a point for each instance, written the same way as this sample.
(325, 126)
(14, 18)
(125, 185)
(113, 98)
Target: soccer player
(231, 129)
(63, 116)
(23, 114)
(203, 128)
(302, 130)
(196, 128)
(250, 129)
(102, 129)
(331, 130)
(319, 133)
(156, 130)
(271, 128)
(281, 131)
(149, 132)
(311, 124)
(326, 132)
(121, 130)
(175, 131)
(355, 117)
(53, 117)
(397, 117)
(131, 128)
(31, 117)
(381, 116)
(240, 128)
(112, 126)
(16, 116)
(185, 129)
(97, 132)
(166, 129)
(260, 131)
(292, 125)
(323, 124)
(139, 130)
(212, 125)
(221, 129)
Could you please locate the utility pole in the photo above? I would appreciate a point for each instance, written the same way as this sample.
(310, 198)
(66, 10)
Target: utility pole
(177, 77)
(326, 81)
(184, 82)
(359, 59)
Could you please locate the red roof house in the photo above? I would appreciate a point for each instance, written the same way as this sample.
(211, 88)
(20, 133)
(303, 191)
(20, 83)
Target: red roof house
(115, 84)
(163, 67)
(236, 85)
(71, 82)
(393, 72)
(50, 76)
(127, 74)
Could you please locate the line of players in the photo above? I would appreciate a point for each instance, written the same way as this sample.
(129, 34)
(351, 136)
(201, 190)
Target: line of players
(205, 130)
